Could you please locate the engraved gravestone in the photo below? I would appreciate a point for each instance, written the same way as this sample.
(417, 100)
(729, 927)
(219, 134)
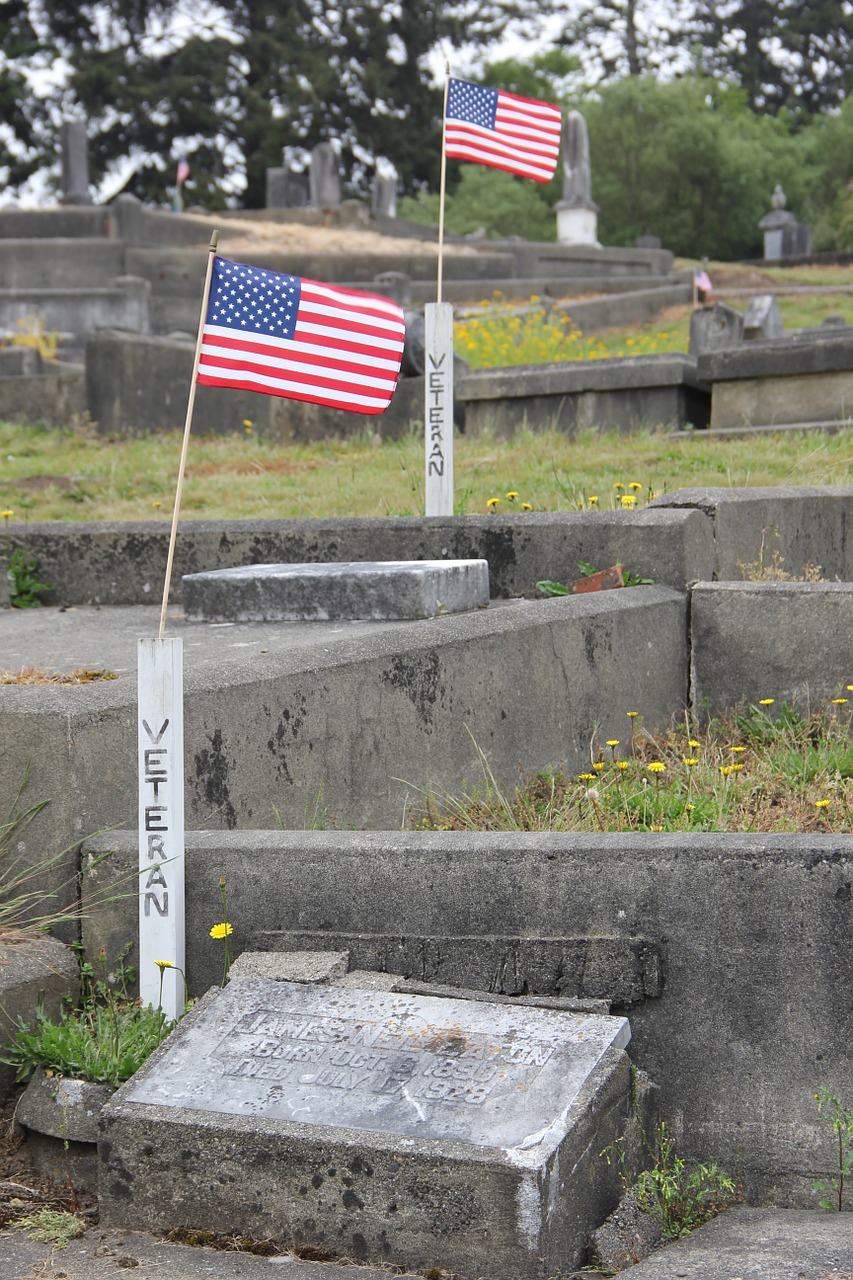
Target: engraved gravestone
(287, 188)
(394, 1128)
(577, 214)
(75, 163)
(325, 176)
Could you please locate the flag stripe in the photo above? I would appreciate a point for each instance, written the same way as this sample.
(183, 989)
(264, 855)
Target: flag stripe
(315, 364)
(360, 356)
(314, 393)
(502, 130)
(283, 336)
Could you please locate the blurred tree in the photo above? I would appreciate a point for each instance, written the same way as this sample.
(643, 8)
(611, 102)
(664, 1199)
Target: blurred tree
(687, 161)
(255, 76)
(793, 55)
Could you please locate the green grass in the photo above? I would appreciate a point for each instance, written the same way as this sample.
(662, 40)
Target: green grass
(765, 768)
(255, 478)
(74, 474)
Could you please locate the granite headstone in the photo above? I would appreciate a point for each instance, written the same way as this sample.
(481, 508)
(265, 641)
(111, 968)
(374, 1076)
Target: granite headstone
(393, 1128)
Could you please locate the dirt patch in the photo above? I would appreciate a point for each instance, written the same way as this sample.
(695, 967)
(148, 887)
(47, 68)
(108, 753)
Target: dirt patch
(239, 234)
(248, 466)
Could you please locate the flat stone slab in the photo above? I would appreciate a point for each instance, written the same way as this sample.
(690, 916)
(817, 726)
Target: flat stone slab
(372, 590)
(387, 1127)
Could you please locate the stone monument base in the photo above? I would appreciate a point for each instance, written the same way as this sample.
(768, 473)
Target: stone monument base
(373, 590)
(577, 226)
(390, 1128)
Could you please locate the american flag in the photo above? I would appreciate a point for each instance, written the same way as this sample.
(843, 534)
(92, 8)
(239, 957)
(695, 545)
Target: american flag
(503, 130)
(183, 171)
(285, 336)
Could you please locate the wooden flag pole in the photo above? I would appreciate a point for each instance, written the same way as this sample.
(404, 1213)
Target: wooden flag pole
(442, 186)
(214, 240)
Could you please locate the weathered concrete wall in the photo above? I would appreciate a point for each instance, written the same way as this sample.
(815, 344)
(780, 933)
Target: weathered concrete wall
(784, 640)
(361, 723)
(67, 263)
(53, 396)
(124, 563)
(764, 383)
(805, 524)
(753, 1012)
(78, 312)
(613, 394)
(140, 384)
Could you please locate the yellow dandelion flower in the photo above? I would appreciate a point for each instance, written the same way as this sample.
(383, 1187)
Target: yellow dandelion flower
(164, 964)
(690, 807)
(655, 828)
(222, 930)
(725, 769)
(598, 766)
(512, 495)
(656, 766)
(247, 422)
(821, 804)
(690, 761)
(839, 702)
(593, 502)
(613, 742)
(737, 750)
(621, 764)
(766, 702)
(6, 513)
(525, 506)
(635, 484)
(618, 485)
(632, 714)
(694, 743)
(736, 768)
(156, 504)
(586, 777)
(492, 502)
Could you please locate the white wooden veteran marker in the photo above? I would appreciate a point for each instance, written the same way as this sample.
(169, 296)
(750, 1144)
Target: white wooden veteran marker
(160, 736)
(438, 415)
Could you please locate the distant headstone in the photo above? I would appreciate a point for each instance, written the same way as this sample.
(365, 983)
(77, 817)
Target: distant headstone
(784, 237)
(833, 320)
(286, 189)
(396, 285)
(577, 215)
(325, 181)
(763, 319)
(75, 163)
(714, 328)
(383, 194)
(647, 242)
(385, 1127)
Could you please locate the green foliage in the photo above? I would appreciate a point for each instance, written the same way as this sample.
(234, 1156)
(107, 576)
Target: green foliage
(489, 200)
(841, 1119)
(52, 1226)
(680, 1197)
(22, 577)
(687, 161)
(105, 1040)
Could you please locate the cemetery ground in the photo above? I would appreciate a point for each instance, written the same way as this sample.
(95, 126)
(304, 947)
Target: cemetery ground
(766, 767)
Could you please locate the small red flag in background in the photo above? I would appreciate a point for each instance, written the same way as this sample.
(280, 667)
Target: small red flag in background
(285, 336)
(502, 130)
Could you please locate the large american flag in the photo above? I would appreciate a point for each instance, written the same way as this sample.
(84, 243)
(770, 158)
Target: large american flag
(286, 336)
(503, 130)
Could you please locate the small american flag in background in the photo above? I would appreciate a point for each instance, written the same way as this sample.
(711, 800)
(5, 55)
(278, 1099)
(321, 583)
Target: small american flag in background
(503, 130)
(285, 336)
(183, 171)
